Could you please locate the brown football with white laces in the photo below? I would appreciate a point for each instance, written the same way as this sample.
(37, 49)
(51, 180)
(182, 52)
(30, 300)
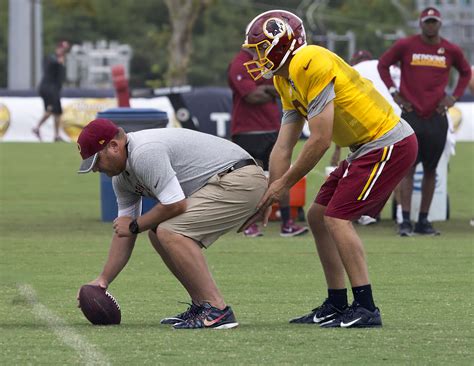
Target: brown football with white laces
(99, 306)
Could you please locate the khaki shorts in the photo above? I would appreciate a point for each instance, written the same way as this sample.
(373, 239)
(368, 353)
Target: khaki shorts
(223, 204)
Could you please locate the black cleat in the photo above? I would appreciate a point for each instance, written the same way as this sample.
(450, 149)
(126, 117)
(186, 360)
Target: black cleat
(321, 314)
(355, 316)
(209, 317)
(424, 227)
(405, 229)
(191, 311)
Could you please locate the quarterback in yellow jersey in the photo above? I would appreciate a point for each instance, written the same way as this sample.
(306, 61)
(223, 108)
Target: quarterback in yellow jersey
(339, 105)
(361, 114)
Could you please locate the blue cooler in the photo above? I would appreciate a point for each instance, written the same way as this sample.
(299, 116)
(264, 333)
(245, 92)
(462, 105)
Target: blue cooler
(131, 120)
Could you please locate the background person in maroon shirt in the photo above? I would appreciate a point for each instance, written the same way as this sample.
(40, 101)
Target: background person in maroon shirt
(425, 61)
(254, 127)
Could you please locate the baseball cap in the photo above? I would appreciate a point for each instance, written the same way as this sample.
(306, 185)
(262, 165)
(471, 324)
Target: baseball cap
(430, 13)
(93, 138)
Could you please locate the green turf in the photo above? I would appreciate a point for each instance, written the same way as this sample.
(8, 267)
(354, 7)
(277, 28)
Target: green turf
(53, 240)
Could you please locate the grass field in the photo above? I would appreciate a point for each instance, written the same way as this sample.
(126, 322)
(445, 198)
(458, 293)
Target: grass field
(52, 241)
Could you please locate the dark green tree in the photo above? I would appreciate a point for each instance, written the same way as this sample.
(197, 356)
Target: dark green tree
(368, 19)
(215, 36)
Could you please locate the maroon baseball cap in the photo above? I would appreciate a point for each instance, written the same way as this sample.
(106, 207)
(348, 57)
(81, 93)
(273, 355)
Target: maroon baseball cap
(430, 13)
(93, 138)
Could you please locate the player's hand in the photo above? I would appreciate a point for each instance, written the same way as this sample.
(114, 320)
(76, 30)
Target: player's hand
(445, 103)
(99, 281)
(274, 193)
(121, 226)
(403, 103)
(259, 216)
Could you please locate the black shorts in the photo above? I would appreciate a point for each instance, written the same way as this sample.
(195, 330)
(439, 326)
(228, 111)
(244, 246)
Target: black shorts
(51, 98)
(431, 134)
(259, 145)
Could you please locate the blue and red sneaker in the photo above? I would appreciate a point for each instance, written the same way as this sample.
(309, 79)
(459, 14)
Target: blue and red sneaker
(209, 317)
(185, 315)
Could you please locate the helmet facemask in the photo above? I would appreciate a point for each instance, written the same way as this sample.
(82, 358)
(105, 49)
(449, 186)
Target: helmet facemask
(261, 65)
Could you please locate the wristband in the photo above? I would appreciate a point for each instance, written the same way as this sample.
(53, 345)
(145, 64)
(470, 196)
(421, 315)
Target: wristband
(133, 227)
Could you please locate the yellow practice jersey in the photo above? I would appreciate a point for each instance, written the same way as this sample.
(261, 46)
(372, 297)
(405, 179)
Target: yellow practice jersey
(361, 113)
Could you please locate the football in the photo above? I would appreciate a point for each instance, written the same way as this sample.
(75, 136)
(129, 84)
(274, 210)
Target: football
(99, 306)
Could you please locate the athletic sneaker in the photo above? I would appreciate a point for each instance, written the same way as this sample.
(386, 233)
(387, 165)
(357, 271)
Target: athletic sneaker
(321, 314)
(253, 231)
(209, 317)
(424, 227)
(355, 316)
(289, 229)
(366, 220)
(191, 311)
(405, 229)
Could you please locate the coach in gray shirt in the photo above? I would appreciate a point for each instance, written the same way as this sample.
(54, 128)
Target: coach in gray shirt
(205, 187)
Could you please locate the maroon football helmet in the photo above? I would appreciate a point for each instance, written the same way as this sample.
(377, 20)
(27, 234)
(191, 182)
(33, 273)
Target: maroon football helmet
(272, 37)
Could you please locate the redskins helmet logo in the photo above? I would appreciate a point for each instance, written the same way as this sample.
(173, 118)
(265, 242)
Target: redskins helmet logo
(274, 28)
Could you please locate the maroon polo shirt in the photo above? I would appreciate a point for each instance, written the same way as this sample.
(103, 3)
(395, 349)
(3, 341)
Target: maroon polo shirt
(246, 117)
(425, 71)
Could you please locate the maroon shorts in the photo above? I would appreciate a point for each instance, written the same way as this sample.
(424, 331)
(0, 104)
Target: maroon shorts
(363, 186)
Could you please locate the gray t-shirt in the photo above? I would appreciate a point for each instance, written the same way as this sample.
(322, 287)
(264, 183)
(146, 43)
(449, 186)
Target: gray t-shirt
(155, 156)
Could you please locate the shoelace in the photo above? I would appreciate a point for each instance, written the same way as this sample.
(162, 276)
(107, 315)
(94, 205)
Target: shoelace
(321, 307)
(199, 316)
(326, 305)
(190, 311)
(427, 224)
(351, 309)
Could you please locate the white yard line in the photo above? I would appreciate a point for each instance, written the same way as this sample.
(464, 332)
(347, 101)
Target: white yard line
(88, 352)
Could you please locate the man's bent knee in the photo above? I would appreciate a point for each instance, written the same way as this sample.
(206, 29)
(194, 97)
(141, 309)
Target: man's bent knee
(315, 212)
(162, 234)
(333, 223)
(315, 215)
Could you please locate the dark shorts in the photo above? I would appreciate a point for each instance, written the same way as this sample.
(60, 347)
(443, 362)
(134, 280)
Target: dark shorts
(363, 186)
(431, 134)
(258, 145)
(51, 98)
